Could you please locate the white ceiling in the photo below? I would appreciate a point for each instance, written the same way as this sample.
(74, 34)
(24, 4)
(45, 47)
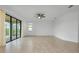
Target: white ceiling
(27, 12)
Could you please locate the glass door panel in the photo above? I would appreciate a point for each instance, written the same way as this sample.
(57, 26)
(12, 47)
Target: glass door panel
(18, 28)
(7, 28)
(13, 28)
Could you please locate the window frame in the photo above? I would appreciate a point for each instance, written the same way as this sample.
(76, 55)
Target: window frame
(16, 28)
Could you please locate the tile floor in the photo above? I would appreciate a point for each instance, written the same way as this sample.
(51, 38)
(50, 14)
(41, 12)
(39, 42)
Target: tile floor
(40, 44)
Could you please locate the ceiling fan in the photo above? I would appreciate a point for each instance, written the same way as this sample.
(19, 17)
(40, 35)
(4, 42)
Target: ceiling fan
(70, 6)
(40, 15)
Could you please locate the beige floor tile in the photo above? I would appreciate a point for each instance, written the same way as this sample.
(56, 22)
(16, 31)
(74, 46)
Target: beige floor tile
(40, 44)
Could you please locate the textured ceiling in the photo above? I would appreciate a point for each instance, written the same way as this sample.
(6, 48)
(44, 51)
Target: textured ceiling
(27, 12)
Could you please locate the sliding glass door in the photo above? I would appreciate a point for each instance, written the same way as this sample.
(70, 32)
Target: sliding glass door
(7, 28)
(13, 28)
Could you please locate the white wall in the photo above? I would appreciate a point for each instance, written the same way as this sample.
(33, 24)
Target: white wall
(66, 27)
(39, 28)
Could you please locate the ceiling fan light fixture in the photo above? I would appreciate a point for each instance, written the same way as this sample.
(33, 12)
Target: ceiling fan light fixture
(40, 15)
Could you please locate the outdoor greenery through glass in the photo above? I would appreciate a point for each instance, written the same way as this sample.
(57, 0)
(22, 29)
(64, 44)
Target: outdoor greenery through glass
(7, 25)
(12, 28)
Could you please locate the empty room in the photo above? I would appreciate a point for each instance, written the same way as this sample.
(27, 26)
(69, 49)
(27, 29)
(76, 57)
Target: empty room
(39, 29)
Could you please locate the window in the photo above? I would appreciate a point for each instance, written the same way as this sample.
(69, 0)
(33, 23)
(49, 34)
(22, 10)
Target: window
(29, 26)
(12, 28)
